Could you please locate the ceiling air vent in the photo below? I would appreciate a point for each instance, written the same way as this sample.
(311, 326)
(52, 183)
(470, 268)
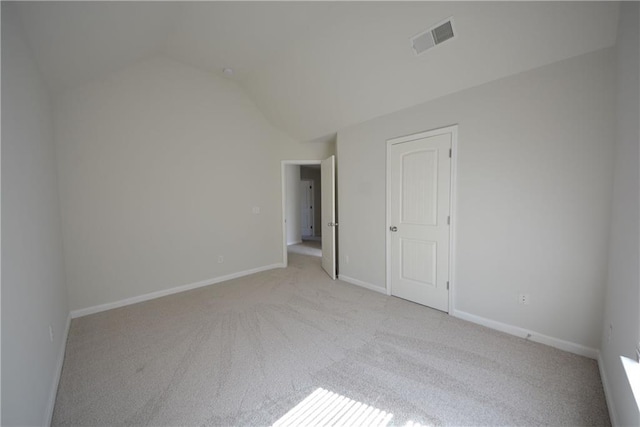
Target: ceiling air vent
(432, 37)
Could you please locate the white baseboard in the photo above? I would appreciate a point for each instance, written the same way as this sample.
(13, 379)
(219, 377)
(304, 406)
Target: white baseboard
(153, 295)
(58, 372)
(362, 284)
(571, 347)
(607, 391)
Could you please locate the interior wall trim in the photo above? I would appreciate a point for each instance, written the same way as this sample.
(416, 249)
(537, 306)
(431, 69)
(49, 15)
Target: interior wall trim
(558, 343)
(58, 373)
(153, 295)
(607, 391)
(362, 284)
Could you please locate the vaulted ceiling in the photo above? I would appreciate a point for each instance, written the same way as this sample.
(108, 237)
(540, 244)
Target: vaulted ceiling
(316, 67)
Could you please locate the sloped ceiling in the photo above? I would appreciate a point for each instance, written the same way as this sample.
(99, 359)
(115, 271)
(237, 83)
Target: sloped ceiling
(316, 67)
(74, 42)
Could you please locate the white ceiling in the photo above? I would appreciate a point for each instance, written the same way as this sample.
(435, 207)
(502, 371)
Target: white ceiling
(316, 67)
(74, 42)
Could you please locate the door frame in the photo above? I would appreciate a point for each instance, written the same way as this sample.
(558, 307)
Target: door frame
(453, 130)
(283, 164)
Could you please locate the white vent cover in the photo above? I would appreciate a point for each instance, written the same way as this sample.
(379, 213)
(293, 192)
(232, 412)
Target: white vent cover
(433, 37)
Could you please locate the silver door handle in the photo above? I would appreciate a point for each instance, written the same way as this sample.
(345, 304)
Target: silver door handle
(333, 224)
(393, 228)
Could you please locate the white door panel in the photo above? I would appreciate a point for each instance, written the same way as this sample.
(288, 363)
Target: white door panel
(328, 186)
(419, 208)
(306, 207)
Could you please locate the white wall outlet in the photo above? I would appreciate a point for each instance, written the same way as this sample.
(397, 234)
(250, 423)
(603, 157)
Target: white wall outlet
(256, 210)
(523, 299)
(51, 333)
(220, 259)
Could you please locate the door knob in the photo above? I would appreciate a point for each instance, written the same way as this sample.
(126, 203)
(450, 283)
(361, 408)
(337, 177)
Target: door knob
(393, 228)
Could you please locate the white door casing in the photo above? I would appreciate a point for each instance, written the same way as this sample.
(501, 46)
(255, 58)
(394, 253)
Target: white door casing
(328, 186)
(418, 217)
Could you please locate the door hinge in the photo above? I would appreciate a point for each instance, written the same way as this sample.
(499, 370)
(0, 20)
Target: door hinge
(447, 285)
(449, 152)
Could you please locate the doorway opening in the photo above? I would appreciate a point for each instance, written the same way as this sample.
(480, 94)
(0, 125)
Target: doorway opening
(308, 211)
(302, 209)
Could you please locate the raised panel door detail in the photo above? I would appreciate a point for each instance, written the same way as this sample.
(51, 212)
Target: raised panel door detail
(419, 194)
(418, 261)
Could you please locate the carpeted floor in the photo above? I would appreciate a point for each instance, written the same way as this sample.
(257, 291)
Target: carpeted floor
(307, 247)
(292, 347)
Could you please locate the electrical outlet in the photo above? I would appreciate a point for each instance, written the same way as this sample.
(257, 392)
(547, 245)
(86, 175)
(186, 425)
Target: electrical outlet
(256, 210)
(220, 259)
(523, 299)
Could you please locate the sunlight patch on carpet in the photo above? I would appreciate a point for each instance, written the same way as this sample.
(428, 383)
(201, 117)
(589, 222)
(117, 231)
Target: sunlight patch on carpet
(323, 407)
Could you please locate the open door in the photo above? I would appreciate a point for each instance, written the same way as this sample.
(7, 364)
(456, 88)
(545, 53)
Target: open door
(329, 224)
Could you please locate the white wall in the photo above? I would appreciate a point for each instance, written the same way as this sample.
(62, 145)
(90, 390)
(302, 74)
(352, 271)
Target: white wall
(622, 311)
(292, 203)
(533, 195)
(154, 187)
(34, 294)
(320, 149)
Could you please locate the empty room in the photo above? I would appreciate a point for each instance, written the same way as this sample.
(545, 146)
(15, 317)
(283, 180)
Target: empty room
(320, 213)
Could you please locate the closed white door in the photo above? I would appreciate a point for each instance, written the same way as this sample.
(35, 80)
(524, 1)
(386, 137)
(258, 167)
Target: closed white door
(329, 224)
(306, 207)
(418, 208)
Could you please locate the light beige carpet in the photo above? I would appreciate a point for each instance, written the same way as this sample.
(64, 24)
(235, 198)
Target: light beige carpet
(307, 247)
(292, 347)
